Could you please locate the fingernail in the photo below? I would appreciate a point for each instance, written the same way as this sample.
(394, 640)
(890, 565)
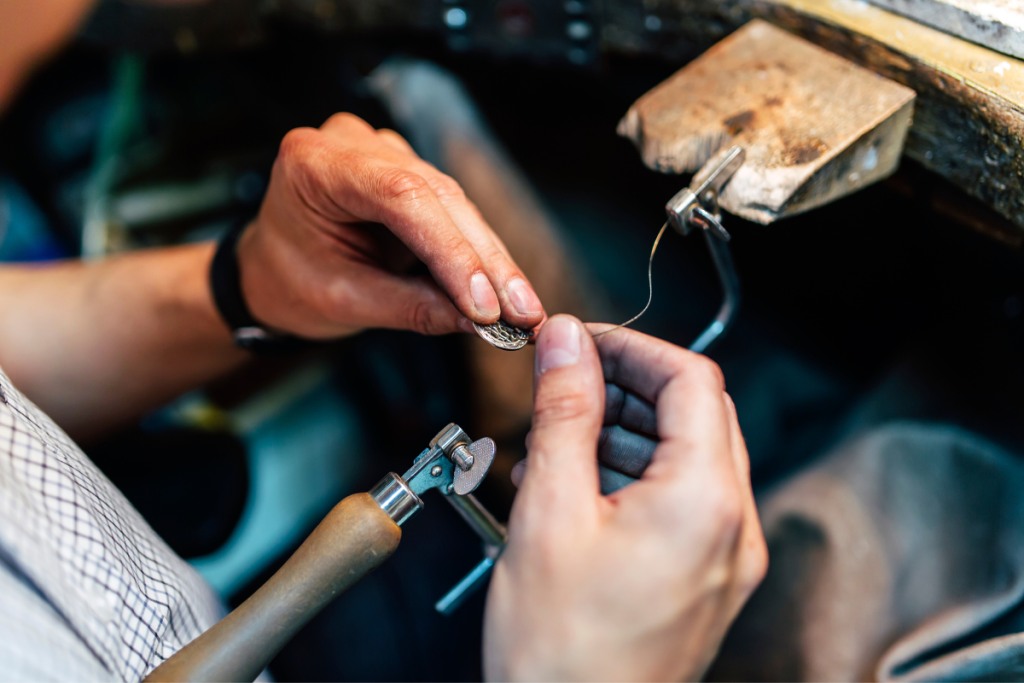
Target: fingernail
(466, 325)
(559, 344)
(522, 296)
(484, 298)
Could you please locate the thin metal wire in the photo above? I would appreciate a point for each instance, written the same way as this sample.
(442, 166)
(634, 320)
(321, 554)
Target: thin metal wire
(650, 287)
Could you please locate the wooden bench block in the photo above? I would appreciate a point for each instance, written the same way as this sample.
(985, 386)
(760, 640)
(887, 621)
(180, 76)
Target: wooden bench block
(815, 126)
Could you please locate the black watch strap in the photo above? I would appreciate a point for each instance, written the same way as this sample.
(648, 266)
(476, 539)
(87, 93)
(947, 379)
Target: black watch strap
(226, 285)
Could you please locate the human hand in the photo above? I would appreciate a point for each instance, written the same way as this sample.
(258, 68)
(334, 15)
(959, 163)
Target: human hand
(349, 210)
(643, 583)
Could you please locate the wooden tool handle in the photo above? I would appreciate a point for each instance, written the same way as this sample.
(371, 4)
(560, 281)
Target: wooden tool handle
(353, 540)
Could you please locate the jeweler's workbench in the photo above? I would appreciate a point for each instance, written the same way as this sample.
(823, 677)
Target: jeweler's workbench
(957, 55)
(969, 116)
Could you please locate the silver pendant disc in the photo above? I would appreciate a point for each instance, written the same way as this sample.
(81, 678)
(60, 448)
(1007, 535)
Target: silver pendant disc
(503, 336)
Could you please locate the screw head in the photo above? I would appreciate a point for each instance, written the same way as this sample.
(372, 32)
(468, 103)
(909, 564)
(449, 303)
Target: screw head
(435, 471)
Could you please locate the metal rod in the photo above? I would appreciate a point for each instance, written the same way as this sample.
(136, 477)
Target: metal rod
(454, 598)
(493, 535)
(478, 518)
(722, 258)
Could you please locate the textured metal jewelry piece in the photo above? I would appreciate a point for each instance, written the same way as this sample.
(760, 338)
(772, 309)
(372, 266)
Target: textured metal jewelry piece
(503, 336)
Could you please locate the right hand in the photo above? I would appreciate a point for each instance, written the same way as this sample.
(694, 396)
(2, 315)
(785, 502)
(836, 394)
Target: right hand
(348, 211)
(643, 583)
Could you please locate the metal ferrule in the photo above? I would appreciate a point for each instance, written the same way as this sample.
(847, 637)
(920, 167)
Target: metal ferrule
(396, 498)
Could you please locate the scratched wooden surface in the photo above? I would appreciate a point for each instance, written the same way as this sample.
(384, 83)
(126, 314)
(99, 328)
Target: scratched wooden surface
(996, 24)
(969, 118)
(815, 126)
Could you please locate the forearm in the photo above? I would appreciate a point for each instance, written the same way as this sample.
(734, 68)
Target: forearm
(96, 345)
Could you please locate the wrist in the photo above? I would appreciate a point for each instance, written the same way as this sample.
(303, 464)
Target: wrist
(227, 284)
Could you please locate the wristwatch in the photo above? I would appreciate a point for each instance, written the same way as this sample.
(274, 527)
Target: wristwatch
(226, 286)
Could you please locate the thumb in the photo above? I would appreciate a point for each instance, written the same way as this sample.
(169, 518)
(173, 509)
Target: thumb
(567, 416)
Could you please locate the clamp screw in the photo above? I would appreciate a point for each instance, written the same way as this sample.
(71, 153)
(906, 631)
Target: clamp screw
(462, 457)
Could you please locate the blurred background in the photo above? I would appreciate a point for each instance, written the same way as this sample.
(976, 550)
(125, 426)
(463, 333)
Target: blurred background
(159, 125)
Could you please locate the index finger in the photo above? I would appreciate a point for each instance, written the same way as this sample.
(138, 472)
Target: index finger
(346, 185)
(519, 303)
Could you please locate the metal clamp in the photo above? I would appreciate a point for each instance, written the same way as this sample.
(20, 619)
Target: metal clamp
(452, 462)
(455, 465)
(697, 206)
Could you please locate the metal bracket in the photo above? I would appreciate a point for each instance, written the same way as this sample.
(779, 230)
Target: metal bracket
(455, 465)
(697, 206)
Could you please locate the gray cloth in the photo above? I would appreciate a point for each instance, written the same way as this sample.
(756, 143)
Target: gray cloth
(898, 556)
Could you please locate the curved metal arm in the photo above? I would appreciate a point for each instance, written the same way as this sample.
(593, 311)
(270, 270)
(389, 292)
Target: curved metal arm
(730, 281)
(699, 207)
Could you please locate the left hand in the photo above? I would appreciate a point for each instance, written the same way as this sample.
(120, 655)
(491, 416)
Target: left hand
(349, 210)
(641, 584)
